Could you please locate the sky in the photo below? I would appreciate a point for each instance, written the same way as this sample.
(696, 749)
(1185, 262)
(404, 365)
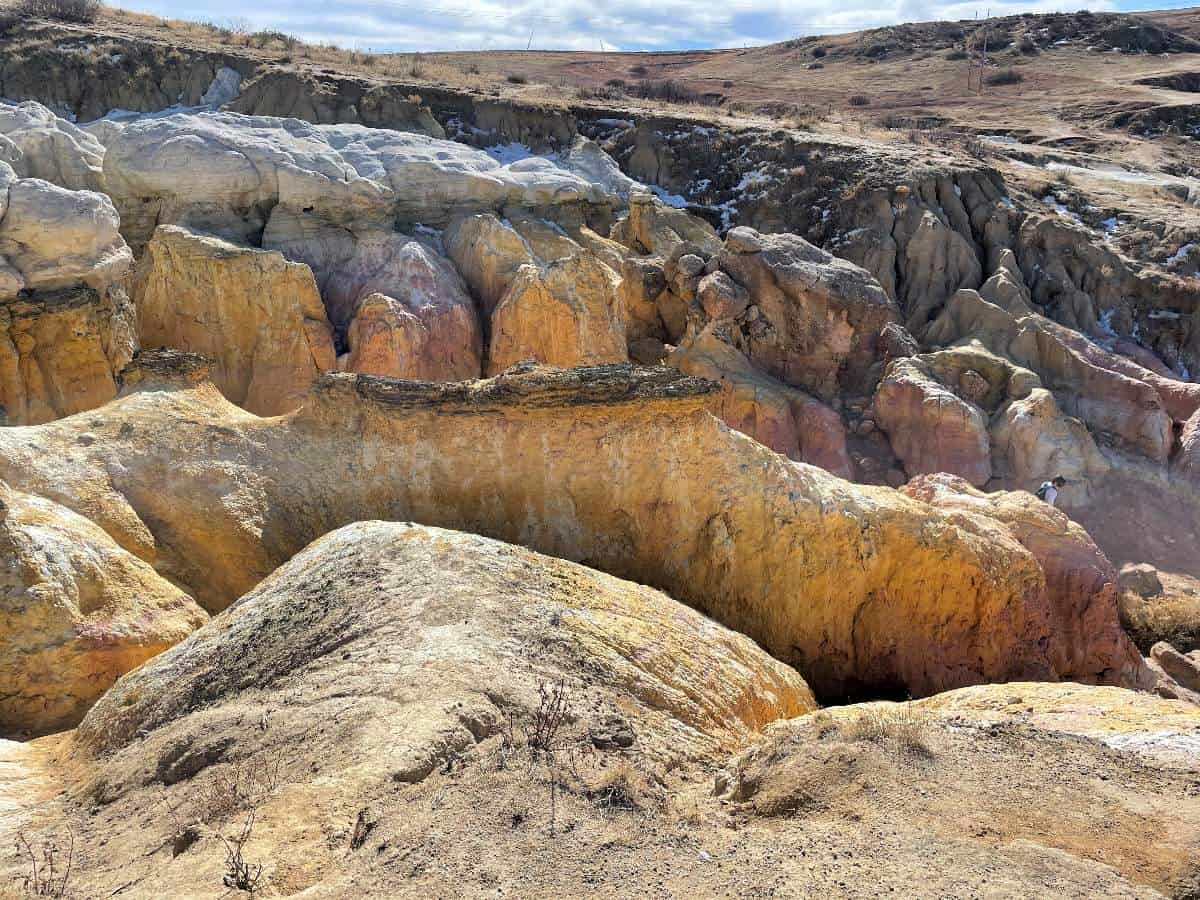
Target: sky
(407, 25)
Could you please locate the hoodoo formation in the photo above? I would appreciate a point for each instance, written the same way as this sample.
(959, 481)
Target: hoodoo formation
(420, 484)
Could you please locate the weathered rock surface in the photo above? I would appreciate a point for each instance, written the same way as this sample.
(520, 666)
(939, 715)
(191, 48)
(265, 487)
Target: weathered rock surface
(488, 253)
(852, 768)
(441, 609)
(1106, 400)
(1182, 672)
(255, 315)
(1187, 462)
(66, 324)
(783, 418)
(61, 352)
(420, 322)
(853, 584)
(76, 613)
(38, 144)
(565, 314)
(823, 315)
(930, 427)
(655, 229)
(243, 166)
(51, 237)
(1081, 584)
(1032, 442)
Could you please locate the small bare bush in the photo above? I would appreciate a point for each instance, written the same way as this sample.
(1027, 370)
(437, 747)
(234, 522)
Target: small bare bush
(516, 78)
(620, 786)
(81, 11)
(49, 873)
(240, 874)
(860, 100)
(665, 89)
(238, 787)
(540, 739)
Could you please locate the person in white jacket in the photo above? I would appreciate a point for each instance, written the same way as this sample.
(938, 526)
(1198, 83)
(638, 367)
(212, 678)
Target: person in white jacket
(1049, 489)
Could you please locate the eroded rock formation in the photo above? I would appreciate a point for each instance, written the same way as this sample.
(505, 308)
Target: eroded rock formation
(76, 613)
(66, 323)
(258, 317)
(619, 467)
(387, 593)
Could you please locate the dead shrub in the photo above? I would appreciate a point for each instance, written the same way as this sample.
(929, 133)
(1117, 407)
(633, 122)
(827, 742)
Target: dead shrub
(80, 11)
(665, 89)
(538, 740)
(241, 786)
(516, 78)
(240, 874)
(860, 100)
(1005, 76)
(49, 873)
(620, 786)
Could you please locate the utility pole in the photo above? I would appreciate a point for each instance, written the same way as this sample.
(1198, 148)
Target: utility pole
(530, 44)
(983, 64)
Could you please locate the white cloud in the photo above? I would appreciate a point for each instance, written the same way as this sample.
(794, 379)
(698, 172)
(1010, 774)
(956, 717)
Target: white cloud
(578, 24)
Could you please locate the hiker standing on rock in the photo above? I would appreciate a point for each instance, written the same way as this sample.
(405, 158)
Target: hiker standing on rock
(1049, 489)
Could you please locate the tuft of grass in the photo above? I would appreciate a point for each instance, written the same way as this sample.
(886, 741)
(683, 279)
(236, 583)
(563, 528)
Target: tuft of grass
(860, 100)
(904, 726)
(516, 78)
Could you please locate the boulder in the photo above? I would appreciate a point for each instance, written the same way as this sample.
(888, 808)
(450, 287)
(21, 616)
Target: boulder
(565, 314)
(51, 237)
(652, 228)
(1142, 579)
(1081, 584)
(930, 427)
(41, 145)
(859, 587)
(819, 317)
(257, 316)
(76, 613)
(1183, 669)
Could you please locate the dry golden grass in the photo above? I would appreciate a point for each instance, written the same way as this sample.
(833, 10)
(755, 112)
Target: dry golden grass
(904, 726)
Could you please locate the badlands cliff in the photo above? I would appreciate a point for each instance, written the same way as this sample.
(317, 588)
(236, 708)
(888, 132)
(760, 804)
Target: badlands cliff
(382, 512)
